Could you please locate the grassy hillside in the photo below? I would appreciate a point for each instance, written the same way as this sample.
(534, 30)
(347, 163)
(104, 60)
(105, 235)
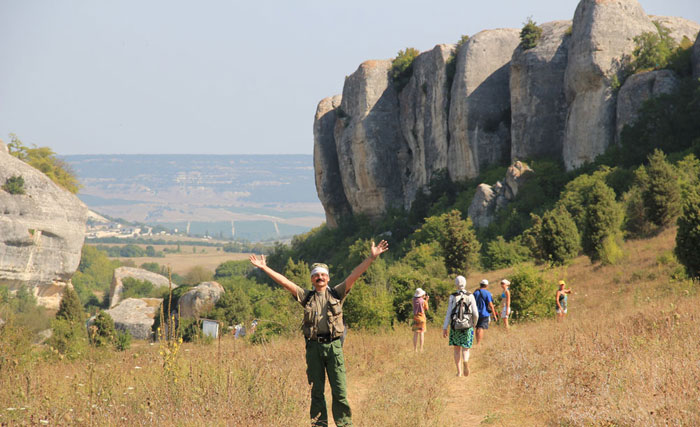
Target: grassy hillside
(627, 354)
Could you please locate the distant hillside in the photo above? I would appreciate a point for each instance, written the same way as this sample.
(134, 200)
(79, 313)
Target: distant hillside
(254, 197)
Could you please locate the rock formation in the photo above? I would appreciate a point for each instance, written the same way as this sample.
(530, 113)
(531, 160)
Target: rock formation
(200, 299)
(602, 33)
(637, 89)
(479, 120)
(678, 27)
(488, 199)
(537, 97)
(135, 315)
(424, 107)
(41, 232)
(120, 273)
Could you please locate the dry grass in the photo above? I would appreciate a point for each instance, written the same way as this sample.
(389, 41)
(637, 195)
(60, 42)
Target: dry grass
(182, 263)
(627, 354)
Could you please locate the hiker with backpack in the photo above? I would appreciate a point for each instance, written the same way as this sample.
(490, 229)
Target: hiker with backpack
(462, 315)
(420, 306)
(323, 328)
(484, 300)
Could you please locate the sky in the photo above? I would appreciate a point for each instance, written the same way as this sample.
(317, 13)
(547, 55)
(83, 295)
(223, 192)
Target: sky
(215, 76)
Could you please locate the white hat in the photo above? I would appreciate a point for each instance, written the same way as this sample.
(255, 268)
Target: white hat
(419, 293)
(484, 282)
(505, 281)
(460, 282)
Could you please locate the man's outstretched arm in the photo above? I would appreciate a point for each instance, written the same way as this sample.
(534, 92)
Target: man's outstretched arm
(377, 250)
(277, 277)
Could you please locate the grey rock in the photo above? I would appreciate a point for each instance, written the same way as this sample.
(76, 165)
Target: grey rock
(329, 184)
(368, 141)
(41, 232)
(424, 108)
(120, 273)
(43, 336)
(696, 58)
(602, 34)
(489, 199)
(135, 315)
(200, 299)
(479, 120)
(537, 96)
(637, 89)
(679, 27)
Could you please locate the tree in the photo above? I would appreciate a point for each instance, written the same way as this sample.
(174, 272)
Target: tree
(298, 273)
(45, 160)
(102, 332)
(603, 219)
(530, 34)
(402, 67)
(460, 246)
(233, 307)
(660, 191)
(70, 308)
(197, 275)
(688, 235)
(531, 297)
(559, 236)
(653, 50)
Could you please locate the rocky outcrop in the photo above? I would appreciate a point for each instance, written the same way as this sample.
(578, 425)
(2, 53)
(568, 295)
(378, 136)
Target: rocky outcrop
(679, 27)
(329, 184)
(120, 273)
(41, 232)
(369, 142)
(135, 315)
(479, 120)
(602, 33)
(488, 199)
(424, 107)
(637, 89)
(537, 96)
(696, 58)
(200, 299)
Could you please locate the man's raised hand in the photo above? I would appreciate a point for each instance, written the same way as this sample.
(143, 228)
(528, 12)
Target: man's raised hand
(260, 263)
(379, 249)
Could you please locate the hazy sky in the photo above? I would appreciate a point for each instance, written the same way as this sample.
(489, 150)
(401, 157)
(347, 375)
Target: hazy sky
(215, 76)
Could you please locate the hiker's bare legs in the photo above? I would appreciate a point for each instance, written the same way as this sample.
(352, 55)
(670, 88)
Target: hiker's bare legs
(415, 341)
(458, 359)
(422, 340)
(505, 322)
(479, 335)
(465, 361)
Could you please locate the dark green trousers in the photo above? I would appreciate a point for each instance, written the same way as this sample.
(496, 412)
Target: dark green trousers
(322, 359)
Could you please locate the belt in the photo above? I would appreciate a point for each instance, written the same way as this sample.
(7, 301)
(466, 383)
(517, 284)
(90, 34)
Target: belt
(323, 339)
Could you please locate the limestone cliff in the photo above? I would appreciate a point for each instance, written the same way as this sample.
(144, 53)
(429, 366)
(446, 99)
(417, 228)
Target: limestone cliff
(41, 232)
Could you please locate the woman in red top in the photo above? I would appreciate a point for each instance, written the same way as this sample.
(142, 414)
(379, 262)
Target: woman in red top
(420, 306)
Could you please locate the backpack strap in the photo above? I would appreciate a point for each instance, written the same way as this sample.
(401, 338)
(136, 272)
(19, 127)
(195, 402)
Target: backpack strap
(308, 297)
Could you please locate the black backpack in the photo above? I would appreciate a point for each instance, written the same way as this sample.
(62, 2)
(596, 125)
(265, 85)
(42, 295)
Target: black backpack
(462, 312)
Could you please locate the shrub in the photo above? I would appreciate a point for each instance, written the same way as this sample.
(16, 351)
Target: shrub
(122, 340)
(135, 288)
(560, 240)
(368, 306)
(102, 332)
(660, 191)
(688, 235)
(531, 298)
(197, 275)
(460, 247)
(603, 220)
(70, 308)
(68, 338)
(502, 254)
(232, 308)
(14, 185)
(530, 34)
(45, 160)
(402, 67)
(653, 50)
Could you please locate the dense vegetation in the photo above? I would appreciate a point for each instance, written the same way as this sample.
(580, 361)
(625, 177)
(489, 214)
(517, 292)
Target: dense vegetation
(14, 185)
(44, 159)
(402, 67)
(530, 34)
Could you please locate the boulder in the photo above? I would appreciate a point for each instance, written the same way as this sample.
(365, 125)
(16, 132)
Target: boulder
(602, 34)
(135, 315)
(489, 199)
(329, 184)
(41, 232)
(479, 120)
(368, 141)
(424, 106)
(537, 96)
(696, 58)
(200, 299)
(120, 273)
(637, 89)
(679, 27)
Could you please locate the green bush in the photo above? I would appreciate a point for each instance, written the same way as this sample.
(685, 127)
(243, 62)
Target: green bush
(233, 307)
(530, 34)
(653, 50)
(402, 67)
(14, 185)
(531, 297)
(660, 191)
(135, 288)
(102, 332)
(560, 238)
(68, 338)
(45, 160)
(122, 340)
(688, 235)
(368, 306)
(502, 254)
(70, 308)
(460, 247)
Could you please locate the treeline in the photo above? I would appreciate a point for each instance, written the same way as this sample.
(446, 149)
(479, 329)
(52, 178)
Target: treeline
(234, 246)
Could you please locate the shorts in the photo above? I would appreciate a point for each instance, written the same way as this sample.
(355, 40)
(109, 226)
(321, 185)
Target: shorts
(419, 322)
(505, 315)
(483, 322)
(463, 338)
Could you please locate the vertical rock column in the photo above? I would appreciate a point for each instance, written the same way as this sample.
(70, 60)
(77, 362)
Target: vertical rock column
(602, 34)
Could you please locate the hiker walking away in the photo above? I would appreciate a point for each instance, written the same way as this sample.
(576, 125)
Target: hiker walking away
(484, 300)
(420, 306)
(462, 314)
(323, 328)
(505, 302)
(561, 300)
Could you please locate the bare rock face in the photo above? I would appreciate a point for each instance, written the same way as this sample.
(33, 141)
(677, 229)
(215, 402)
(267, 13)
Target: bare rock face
(424, 108)
(41, 232)
(696, 58)
(120, 273)
(200, 299)
(537, 96)
(489, 199)
(329, 184)
(136, 315)
(679, 27)
(602, 33)
(479, 119)
(637, 89)
(369, 142)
